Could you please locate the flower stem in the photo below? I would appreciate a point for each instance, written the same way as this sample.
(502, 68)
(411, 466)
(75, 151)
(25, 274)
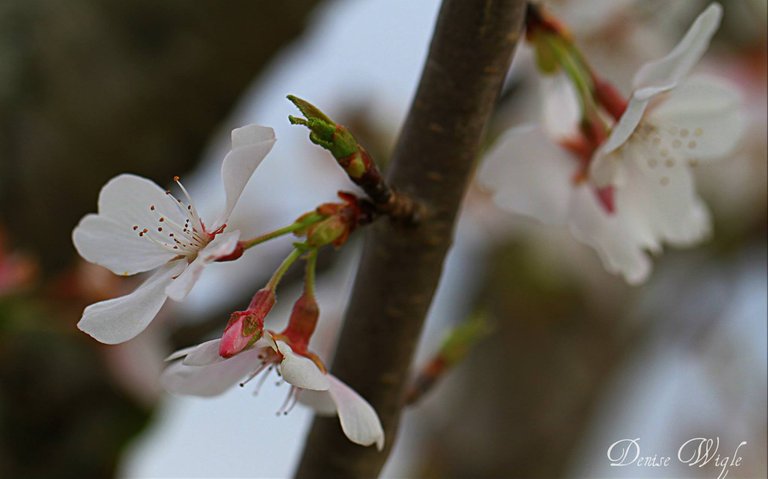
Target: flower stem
(284, 266)
(572, 63)
(309, 277)
(303, 223)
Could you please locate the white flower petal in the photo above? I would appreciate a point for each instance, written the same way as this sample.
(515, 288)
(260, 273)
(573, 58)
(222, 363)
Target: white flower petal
(180, 286)
(178, 354)
(209, 380)
(359, 420)
(222, 245)
(129, 200)
(204, 354)
(664, 73)
(530, 175)
(665, 190)
(250, 145)
(620, 133)
(116, 246)
(301, 371)
(656, 203)
(702, 116)
(610, 236)
(120, 319)
(560, 104)
(320, 401)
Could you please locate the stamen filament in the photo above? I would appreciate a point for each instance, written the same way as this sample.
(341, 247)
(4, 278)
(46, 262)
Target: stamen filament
(254, 374)
(289, 402)
(262, 380)
(191, 205)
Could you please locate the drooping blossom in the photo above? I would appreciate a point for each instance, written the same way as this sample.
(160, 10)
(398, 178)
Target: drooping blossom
(629, 193)
(203, 372)
(141, 227)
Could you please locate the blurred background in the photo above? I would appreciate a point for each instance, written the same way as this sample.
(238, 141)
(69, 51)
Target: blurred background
(577, 360)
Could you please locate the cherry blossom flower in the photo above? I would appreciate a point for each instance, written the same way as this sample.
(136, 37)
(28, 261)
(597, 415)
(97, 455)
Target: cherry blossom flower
(637, 190)
(141, 227)
(203, 372)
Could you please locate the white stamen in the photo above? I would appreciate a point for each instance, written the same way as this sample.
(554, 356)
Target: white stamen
(290, 401)
(262, 380)
(261, 368)
(190, 206)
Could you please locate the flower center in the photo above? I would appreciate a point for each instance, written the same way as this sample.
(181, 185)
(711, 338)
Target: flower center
(185, 237)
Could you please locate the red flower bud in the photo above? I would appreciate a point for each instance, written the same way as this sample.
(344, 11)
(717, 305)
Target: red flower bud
(246, 327)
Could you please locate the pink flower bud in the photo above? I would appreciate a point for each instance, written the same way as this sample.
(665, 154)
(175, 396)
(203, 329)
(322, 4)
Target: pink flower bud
(246, 327)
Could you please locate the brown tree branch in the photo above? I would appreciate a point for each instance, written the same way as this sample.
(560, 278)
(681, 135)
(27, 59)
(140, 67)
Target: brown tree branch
(469, 56)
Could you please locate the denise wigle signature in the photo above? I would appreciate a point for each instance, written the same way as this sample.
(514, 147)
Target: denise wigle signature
(698, 451)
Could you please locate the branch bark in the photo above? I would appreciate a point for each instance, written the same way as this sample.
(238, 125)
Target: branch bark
(470, 53)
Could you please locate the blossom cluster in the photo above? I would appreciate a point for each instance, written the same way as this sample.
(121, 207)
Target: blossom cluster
(621, 178)
(141, 227)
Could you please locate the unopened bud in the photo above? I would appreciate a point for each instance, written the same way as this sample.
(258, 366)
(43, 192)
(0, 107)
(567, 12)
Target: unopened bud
(246, 327)
(324, 131)
(349, 154)
(331, 230)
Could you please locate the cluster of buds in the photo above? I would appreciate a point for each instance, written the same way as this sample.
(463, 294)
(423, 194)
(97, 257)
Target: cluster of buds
(245, 328)
(245, 340)
(248, 349)
(328, 224)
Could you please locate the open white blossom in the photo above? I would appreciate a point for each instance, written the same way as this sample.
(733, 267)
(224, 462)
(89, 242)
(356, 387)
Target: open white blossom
(203, 372)
(670, 124)
(141, 227)
(672, 120)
